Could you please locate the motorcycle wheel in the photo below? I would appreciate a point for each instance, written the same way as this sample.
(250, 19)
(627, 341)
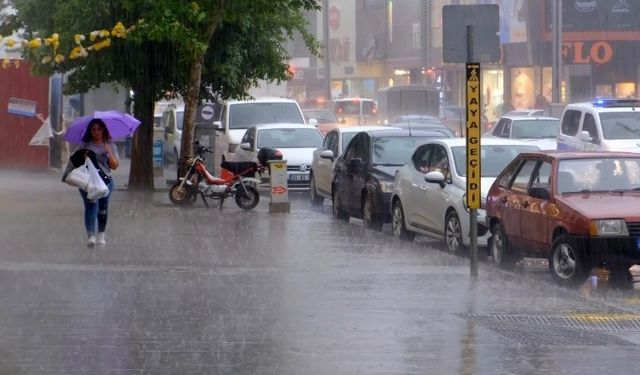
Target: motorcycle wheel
(180, 196)
(248, 200)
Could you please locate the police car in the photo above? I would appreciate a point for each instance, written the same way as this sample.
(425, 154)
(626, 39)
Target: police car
(604, 124)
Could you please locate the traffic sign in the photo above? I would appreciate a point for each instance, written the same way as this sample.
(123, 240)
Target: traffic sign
(206, 112)
(473, 136)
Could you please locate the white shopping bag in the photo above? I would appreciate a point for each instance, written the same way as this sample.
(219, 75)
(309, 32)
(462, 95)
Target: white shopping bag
(79, 177)
(96, 188)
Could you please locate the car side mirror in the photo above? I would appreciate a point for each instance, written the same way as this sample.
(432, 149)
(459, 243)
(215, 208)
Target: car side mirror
(539, 192)
(245, 146)
(585, 136)
(435, 177)
(326, 154)
(217, 125)
(313, 122)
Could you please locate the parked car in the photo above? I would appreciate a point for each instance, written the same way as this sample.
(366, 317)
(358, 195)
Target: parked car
(435, 126)
(363, 176)
(415, 119)
(535, 112)
(324, 157)
(234, 117)
(171, 122)
(323, 119)
(429, 191)
(604, 124)
(541, 131)
(579, 210)
(455, 117)
(296, 142)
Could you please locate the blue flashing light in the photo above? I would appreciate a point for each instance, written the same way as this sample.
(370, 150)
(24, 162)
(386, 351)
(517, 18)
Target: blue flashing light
(613, 102)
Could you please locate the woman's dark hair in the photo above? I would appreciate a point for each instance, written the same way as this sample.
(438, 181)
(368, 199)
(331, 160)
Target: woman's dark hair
(106, 136)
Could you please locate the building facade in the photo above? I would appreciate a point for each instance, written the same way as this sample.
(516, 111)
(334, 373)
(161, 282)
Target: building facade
(379, 43)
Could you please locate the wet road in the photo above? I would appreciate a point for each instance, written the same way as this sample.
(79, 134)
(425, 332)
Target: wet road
(197, 291)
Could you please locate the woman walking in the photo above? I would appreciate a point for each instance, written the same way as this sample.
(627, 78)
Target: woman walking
(98, 140)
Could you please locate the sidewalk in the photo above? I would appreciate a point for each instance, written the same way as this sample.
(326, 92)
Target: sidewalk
(160, 182)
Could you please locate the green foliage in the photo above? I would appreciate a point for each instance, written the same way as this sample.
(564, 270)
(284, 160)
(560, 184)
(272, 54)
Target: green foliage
(238, 43)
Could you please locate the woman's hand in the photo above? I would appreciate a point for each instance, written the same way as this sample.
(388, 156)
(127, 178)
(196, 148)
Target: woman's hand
(111, 159)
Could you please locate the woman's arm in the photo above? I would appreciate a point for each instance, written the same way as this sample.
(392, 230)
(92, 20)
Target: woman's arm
(112, 159)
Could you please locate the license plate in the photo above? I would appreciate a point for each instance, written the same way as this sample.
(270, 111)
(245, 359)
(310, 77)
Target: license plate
(298, 177)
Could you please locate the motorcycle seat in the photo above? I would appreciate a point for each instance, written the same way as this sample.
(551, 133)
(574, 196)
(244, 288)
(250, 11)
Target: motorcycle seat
(236, 167)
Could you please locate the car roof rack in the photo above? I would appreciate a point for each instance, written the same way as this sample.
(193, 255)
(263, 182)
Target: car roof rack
(613, 103)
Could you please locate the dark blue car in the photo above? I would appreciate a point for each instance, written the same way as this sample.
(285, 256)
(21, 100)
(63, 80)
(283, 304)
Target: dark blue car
(363, 176)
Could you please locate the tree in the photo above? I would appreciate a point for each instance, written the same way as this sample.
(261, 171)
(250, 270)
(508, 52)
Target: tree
(199, 50)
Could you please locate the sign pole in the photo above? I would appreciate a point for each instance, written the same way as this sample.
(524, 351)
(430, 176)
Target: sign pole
(473, 150)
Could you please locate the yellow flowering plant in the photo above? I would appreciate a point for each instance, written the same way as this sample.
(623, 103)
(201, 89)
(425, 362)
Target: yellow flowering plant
(49, 47)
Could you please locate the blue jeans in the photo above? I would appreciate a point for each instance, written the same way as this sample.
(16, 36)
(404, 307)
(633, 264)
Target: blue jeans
(96, 211)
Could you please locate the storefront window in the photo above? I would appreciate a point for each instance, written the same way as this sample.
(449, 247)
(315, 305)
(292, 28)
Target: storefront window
(625, 90)
(522, 88)
(492, 93)
(547, 87)
(604, 91)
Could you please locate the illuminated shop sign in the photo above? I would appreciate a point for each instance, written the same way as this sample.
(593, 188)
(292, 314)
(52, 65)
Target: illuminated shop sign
(600, 52)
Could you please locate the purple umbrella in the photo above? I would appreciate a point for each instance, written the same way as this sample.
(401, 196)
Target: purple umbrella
(120, 125)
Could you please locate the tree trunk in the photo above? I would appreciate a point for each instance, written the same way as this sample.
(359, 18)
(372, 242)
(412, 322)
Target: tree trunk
(190, 108)
(141, 170)
(193, 93)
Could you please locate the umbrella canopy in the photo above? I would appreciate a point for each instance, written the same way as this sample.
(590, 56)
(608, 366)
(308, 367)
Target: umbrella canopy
(120, 125)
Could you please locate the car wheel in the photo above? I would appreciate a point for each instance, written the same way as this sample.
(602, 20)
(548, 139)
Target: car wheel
(567, 263)
(499, 246)
(369, 217)
(397, 223)
(338, 212)
(453, 233)
(316, 200)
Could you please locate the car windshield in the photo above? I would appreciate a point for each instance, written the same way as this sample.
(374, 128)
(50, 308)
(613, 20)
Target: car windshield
(534, 129)
(395, 150)
(346, 138)
(243, 115)
(620, 125)
(289, 138)
(493, 158)
(323, 116)
(453, 112)
(598, 174)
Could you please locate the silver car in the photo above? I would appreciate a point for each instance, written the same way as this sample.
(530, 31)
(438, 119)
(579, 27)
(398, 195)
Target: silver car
(429, 191)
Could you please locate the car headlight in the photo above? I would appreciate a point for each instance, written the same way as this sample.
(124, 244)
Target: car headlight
(232, 147)
(386, 187)
(608, 227)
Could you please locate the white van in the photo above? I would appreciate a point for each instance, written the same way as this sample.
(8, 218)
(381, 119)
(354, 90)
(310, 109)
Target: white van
(235, 116)
(604, 124)
(171, 123)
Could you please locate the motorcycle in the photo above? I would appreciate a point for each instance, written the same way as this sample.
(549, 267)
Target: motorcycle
(198, 181)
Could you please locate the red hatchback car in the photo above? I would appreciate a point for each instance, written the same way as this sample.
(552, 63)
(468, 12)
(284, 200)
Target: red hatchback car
(579, 210)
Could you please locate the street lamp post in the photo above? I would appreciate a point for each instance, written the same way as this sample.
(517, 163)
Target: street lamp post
(556, 45)
(327, 61)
